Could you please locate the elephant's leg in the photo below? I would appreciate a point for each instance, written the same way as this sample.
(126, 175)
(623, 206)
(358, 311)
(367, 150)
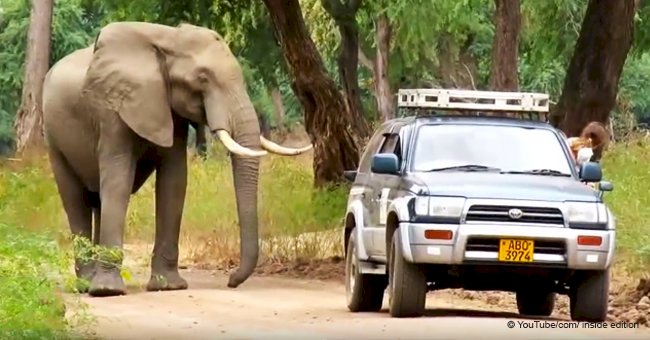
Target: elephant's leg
(117, 165)
(171, 181)
(74, 199)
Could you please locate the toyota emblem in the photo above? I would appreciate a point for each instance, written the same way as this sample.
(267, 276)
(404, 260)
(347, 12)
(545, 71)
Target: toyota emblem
(515, 213)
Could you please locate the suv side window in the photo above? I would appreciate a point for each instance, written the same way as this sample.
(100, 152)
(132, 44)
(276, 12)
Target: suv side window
(371, 149)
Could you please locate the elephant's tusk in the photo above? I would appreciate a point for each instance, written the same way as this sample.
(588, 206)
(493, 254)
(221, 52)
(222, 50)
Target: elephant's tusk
(236, 148)
(281, 150)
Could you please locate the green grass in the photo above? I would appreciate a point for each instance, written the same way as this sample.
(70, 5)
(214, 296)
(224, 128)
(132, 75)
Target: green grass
(30, 307)
(32, 217)
(626, 166)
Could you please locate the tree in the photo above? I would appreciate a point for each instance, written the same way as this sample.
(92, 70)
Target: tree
(72, 28)
(326, 119)
(379, 65)
(505, 48)
(428, 44)
(383, 34)
(592, 78)
(344, 14)
(29, 119)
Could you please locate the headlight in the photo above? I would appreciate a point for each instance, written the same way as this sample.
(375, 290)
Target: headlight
(439, 206)
(581, 212)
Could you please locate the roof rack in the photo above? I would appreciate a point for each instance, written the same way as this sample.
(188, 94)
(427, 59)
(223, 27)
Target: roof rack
(515, 103)
(430, 102)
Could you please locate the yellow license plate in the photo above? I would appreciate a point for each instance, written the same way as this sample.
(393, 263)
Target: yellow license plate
(513, 250)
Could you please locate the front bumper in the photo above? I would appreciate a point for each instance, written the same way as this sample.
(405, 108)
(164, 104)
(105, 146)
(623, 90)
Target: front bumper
(477, 243)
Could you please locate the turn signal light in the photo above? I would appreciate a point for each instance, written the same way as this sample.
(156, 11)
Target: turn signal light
(438, 234)
(590, 240)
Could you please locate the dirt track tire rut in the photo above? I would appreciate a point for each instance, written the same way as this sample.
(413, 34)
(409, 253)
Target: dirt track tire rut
(289, 308)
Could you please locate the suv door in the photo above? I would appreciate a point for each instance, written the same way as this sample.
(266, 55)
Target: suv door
(382, 187)
(362, 184)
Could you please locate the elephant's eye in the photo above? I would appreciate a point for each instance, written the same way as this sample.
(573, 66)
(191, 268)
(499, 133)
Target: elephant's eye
(202, 78)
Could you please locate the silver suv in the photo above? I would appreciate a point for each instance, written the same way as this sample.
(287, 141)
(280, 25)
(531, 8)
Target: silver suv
(480, 203)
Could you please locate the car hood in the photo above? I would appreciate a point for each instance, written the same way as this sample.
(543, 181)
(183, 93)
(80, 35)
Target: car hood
(501, 186)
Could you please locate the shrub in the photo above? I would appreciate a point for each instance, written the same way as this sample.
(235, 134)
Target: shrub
(30, 266)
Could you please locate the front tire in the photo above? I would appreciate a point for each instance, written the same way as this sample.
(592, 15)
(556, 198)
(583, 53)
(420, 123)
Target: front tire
(589, 295)
(364, 292)
(535, 303)
(407, 283)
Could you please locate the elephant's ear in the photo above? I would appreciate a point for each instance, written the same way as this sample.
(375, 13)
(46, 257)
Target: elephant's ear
(128, 75)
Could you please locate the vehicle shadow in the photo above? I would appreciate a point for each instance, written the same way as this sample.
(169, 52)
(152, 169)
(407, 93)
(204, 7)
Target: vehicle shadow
(477, 313)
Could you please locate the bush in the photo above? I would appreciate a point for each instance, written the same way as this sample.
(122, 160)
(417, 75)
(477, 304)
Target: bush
(30, 307)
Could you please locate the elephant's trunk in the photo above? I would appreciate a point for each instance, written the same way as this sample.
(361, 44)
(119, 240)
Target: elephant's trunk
(245, 175)
(234, 115)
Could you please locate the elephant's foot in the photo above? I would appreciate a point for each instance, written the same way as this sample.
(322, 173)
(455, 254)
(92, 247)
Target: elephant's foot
(85, 271)
(166, 280)
(107, 282)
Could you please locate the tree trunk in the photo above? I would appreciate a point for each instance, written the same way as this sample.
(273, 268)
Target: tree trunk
(326, 120)
(505, 47)
(344, 14)
(383, 92)
(469, 63)
(278, 107)
(29, 118)
(446, 61)
(457, 67)
(591, 82)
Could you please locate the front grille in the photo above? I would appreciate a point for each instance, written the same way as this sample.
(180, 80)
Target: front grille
(550, 247)
(496, 213)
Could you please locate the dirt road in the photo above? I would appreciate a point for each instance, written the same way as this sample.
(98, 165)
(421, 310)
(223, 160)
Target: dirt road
(280, 308)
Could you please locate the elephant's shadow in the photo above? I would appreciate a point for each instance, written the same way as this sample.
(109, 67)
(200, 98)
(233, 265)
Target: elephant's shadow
(201, 279)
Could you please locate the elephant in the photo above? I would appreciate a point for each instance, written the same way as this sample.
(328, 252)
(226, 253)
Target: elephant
(118, 110)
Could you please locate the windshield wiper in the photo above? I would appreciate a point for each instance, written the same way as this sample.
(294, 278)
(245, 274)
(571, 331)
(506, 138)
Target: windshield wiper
(540, 172)
(466, 168)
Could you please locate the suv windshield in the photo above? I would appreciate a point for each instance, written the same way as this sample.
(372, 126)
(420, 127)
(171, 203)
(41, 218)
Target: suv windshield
(506, 149)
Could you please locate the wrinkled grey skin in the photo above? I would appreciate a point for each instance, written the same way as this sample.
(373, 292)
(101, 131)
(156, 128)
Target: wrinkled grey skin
(119, 110)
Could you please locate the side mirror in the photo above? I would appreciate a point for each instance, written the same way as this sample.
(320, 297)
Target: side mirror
(605, 186)
(590, 172)
(350, 175)
(385, 163)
